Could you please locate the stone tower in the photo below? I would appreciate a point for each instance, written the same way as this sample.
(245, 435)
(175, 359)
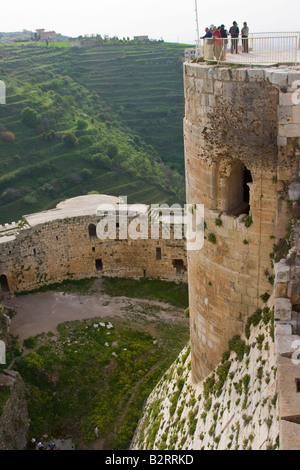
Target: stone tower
(242, 135)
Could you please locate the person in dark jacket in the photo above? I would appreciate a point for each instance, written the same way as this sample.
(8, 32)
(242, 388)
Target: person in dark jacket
(234, 32)
(224, 35)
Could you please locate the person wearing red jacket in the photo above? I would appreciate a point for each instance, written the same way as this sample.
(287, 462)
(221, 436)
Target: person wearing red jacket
(218, 44)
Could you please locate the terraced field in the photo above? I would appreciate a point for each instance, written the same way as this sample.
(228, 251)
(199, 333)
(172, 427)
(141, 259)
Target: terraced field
(122, 103)
(144, 83)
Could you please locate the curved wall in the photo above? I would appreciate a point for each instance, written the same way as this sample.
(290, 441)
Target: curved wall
(60, 246)
(239, 158)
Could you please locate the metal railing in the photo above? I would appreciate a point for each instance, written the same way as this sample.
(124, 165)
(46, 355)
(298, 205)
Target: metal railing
(270, 49)
(276, 34)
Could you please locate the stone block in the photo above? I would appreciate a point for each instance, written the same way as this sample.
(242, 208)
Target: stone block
(289, 130)
(223, 74)
(281, 290)
(283, 329)
(200, 72)
(282, 309)
(281, 141)
(282, 272)
(208, 86)
(212, 73)
(293, 130)
(279, 78)
(285, 114)
(240, 75)
(289, 436)
(292, 78)
(296, 114)
(294, 191)
(293, 290)
(285, 99)
(256, 75)
(218, 86)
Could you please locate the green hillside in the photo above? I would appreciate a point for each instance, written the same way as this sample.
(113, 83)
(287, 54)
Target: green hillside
(144, 84)
(103, 119)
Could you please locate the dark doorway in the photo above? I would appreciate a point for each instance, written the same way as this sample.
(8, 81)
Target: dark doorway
(92, 231)
(179, 265)
(99, 265)
(237, 192)
(158, 253)
(4, 284)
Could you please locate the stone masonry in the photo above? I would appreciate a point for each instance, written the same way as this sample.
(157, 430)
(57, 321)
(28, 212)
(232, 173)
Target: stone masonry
(62, 243)
(242, 136)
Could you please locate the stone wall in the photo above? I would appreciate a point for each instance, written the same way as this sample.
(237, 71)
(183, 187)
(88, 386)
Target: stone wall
(286, 302)
(241, 131)
(55, 250)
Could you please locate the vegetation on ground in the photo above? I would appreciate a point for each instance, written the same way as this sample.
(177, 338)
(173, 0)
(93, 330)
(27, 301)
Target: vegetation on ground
(170, 292)
(99, 372)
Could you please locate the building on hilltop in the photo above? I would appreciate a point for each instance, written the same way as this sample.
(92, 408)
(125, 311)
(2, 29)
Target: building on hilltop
(43, 35)
(141, 38)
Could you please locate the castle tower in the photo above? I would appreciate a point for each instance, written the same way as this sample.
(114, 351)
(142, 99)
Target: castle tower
(242, 135)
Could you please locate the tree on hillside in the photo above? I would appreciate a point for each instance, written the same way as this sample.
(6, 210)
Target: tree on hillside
(82, 124)
(70, 139)
(7, 136)
(30, 117)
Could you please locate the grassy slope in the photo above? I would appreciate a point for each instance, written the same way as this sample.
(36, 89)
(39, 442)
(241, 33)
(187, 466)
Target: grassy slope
(66, 84)
(144, 83)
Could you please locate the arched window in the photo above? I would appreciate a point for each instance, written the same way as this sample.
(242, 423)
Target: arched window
(233, 188)
(92, 231)
(99, 265)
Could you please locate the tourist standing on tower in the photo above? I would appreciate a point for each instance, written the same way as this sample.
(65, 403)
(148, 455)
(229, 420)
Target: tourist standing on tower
(245, 34)
(234, 32)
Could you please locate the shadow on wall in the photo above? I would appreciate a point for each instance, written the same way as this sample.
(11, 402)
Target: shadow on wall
(4, 288)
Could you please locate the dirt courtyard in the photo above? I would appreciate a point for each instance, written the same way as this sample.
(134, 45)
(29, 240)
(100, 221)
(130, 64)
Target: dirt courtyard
(42, 312)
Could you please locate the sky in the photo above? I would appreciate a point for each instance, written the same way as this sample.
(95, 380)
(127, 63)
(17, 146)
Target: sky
(171, 20)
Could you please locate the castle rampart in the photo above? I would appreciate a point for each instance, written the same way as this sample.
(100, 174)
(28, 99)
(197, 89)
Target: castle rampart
(242, 135)
(62, 243)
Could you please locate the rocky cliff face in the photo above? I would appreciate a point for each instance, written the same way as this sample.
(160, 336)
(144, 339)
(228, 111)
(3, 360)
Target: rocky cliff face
(14, 419)
(235, 407)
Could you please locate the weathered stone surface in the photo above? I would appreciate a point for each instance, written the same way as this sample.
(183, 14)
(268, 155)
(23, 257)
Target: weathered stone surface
(282, 272)
(249, 126)
(14, 420)
(55, 249)
(294, 191)
(282, 309)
